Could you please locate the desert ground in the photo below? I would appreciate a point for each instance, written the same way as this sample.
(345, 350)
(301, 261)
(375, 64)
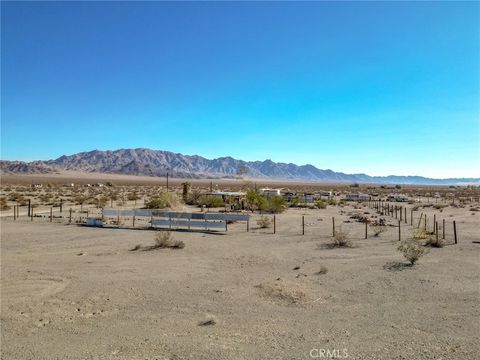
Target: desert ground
(74, 292)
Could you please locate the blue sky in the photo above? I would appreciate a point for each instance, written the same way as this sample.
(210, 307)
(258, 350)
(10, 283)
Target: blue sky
(375, 87)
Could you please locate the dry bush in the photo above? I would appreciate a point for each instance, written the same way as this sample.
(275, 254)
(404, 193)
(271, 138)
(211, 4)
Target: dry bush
(341, 239)
(3, 204)
(378, 229)
(264, 222)
(411, 250)
(162, 240)
(434, 242)
(420, 234)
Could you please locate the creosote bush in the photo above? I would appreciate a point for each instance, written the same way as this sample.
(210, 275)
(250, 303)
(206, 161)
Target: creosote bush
(162, 201)
(264, 222)
(411, 250)
(275, 205)
(321, 204)
(210, 201)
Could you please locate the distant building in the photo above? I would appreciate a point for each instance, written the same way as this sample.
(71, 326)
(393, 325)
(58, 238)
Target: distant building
(357, 197)
(268, 193)
(325, 193)
(397, 197)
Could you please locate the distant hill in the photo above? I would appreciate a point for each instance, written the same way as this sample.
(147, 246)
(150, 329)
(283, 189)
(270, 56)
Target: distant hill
(148, 162)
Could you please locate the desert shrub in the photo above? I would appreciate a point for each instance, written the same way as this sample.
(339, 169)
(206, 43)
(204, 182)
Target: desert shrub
(275, 205)
(411, 250)
(3, 204)
(164, 240)
(378, 229)
(475, 208)
(16, 197)
(254, 201)
(341, 239)
(133, 196)
(264, 222)
(210, 201)
(321, 204)
(420, 234)
(331, 202)
(162, 201)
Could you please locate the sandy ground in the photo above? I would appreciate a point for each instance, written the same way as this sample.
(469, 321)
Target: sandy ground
(72, 292)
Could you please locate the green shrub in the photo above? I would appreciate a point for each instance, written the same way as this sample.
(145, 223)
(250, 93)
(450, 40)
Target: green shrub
(275, 205)
(254, 201)
(210, 201)
(321, 204)
(162, 201)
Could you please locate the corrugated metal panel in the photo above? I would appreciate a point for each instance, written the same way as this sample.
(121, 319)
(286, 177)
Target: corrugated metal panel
(186, 224)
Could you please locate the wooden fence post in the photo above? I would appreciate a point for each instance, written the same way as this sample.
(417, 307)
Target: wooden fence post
(70, 217)
(133, 220)
(51, 214)
(436, 231)
(14, 212)
(399, 230)
(425, 225)
(303, 224)
(401, 214)
(366, 230)
(443, 229)
(274, 224)
(406, 222)
(248, 225)
(455, 231)
(29, 208)
(434, 222)
(420, 221)
(31, 214)
(333, 221)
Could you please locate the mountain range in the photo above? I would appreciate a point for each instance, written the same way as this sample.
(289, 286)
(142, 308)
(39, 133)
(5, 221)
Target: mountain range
(147, 162)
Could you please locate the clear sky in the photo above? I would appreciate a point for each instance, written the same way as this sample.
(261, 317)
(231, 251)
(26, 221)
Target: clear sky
(375, 87)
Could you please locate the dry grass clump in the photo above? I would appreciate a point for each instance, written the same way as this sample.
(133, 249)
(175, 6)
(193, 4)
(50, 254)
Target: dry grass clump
(341, 239)
(282, 293)
(264, 222)
(162, 240)
(411, 250)
(378, 229)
